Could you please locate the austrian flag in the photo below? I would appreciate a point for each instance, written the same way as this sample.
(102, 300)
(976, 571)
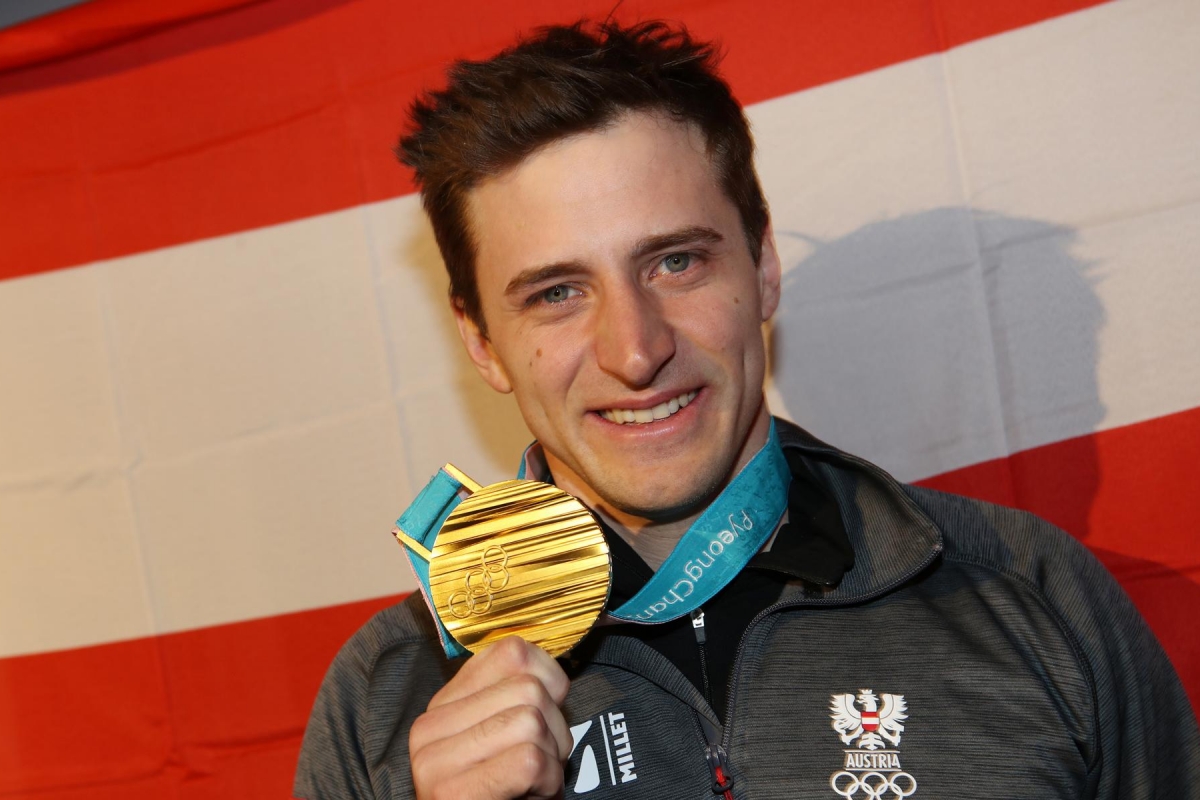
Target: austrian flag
(226, 358)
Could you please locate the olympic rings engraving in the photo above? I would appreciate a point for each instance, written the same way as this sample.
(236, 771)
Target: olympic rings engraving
(873, 785)
(478, 585)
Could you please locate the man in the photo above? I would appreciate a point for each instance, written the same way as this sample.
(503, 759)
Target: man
(611, 261)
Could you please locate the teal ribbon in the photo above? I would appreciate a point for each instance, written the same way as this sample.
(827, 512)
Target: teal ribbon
(707, 557)
(422, 521)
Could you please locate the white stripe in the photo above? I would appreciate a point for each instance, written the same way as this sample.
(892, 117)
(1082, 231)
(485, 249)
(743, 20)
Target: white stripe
(992, 249)
(985, 251)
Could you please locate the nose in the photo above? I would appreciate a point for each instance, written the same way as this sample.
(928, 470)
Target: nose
(633, 339)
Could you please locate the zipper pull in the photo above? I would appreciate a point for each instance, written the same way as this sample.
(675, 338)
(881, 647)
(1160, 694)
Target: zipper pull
(722, 781)
(698, 625)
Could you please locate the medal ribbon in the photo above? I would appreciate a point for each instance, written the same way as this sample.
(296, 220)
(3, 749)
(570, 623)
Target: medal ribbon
(707, 557)
(421, 522)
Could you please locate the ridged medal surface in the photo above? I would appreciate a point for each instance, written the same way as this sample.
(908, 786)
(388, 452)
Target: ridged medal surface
(520, 558)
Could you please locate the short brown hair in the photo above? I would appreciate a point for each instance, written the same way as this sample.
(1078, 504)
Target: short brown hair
(561, 81)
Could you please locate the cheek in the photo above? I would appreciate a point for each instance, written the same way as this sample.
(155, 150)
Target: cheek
(723, 327)
(549, 362)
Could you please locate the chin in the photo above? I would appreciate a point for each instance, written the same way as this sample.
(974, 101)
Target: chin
(659, 504)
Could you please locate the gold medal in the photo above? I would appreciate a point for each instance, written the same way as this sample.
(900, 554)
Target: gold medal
(518, 558)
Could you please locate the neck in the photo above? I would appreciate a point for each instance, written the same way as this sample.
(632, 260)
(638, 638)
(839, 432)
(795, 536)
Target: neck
(654, 539)
(651, 540)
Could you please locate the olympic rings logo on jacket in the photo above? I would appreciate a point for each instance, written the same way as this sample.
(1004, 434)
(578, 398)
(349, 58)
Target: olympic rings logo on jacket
(898, 785)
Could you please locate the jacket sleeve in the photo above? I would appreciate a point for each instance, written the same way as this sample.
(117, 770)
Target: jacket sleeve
(333, 756)
(356, 742)
(1146, 739)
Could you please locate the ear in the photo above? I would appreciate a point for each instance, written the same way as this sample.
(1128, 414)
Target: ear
(479, 348)
(769, 271)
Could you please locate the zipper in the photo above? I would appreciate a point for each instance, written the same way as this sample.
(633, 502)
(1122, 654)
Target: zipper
(701, 640)
(716, 757)
(714, 753)
(722, 781)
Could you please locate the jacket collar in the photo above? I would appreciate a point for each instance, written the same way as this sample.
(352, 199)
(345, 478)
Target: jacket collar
(891, 538)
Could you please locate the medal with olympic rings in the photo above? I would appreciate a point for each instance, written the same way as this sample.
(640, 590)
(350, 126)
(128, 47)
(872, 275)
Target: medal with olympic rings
(525, 558)
(520, 558)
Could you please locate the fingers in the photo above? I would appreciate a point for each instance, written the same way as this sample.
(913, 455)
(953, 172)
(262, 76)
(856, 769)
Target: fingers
(489, 739)
(512, 700)
(496, 729)
(520, 771)
(505, 659)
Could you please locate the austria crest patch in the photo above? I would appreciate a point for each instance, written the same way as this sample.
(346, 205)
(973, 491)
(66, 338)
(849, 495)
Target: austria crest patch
(871, 726)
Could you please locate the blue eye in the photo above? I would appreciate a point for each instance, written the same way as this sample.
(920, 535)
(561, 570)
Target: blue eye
(676, 262)
(557, 294)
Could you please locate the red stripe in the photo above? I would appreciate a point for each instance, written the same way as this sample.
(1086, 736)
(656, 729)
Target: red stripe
(281, 110)
(226, 719)
(95, 24)
(216, 712)
(1129, 490)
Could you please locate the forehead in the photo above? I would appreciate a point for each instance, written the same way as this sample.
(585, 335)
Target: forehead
(588, 196)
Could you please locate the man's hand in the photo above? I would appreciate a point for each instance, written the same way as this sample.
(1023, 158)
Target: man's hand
(495, 730)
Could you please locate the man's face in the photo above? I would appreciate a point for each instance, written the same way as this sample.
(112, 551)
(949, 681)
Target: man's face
(617, 285)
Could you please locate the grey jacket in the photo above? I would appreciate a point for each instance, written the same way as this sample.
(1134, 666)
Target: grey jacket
(973, 651)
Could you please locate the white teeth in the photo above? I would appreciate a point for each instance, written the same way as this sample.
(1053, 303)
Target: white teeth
(623, 416)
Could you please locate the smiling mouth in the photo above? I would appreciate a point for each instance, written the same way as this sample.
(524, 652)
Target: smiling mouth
(641, 416)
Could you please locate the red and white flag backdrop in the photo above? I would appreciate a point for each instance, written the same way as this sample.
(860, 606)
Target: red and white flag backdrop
(226, 363)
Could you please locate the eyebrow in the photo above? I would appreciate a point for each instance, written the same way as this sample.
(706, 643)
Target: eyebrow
(692, 234)
(538, 276)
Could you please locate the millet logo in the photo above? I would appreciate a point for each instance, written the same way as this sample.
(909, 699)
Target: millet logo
(614, 733)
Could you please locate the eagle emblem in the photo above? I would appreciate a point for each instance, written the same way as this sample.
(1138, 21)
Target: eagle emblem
(879, 719)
